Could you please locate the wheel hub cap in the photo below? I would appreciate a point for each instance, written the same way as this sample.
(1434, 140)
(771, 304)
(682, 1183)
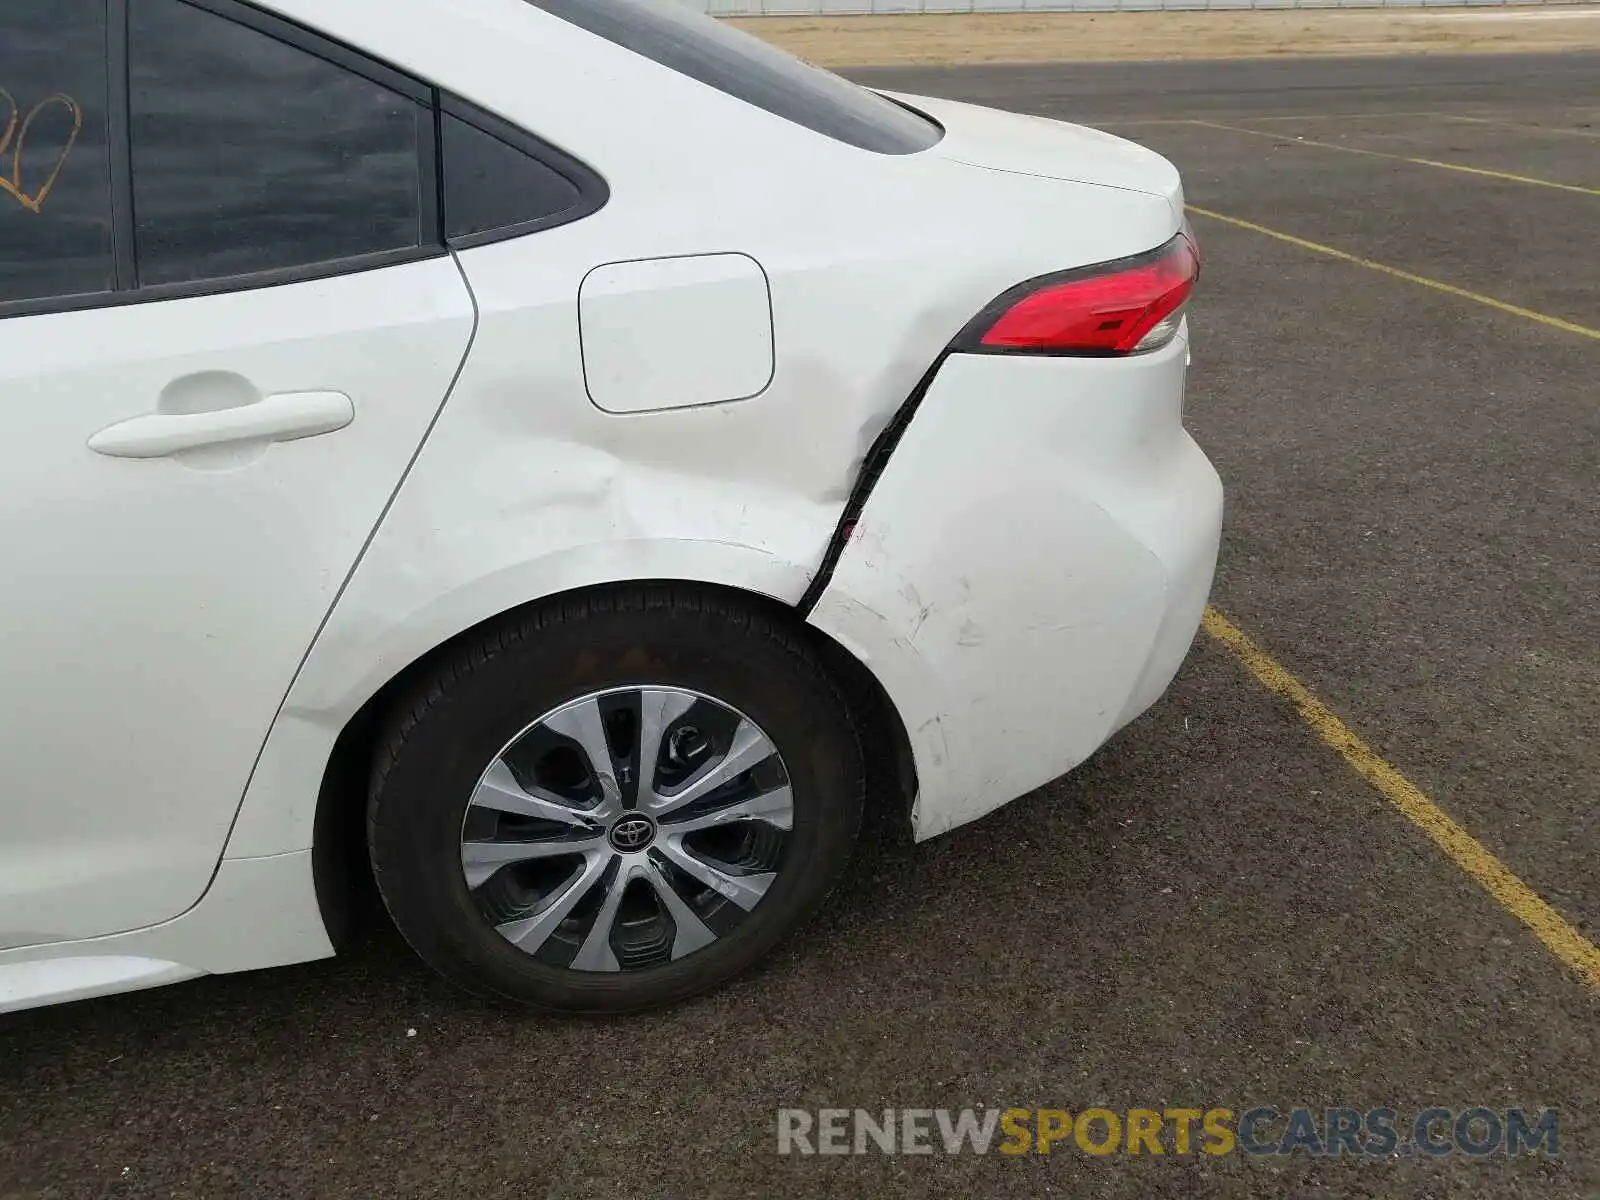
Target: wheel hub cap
(627, 829)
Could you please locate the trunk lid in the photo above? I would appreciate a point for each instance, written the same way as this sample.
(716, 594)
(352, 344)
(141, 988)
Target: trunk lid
(1012, 142)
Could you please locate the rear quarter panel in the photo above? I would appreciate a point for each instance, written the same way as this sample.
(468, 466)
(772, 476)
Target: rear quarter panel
(525, 488)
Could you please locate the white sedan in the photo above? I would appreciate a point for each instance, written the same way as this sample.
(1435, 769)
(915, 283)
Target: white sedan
(562, 457)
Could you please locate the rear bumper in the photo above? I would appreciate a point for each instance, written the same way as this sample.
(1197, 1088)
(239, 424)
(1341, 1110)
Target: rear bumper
(1029, 571)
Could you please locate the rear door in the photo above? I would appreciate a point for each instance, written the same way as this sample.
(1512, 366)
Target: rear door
(226, 323)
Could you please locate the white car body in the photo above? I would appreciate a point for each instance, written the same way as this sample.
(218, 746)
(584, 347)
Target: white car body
(683, 385)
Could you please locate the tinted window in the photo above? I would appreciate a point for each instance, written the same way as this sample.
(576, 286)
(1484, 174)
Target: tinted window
(251, 155)
(490, 185)
(55, 181)
(744, 66)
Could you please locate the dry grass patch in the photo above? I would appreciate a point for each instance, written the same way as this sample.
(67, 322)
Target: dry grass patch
(1052, 37)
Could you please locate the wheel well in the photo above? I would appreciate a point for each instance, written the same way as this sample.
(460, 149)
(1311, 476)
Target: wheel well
(343, 873)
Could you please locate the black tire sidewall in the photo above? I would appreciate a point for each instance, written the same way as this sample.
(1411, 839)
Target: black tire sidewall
(422, 789)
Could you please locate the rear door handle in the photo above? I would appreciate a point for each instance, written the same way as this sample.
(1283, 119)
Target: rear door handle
(285, 417)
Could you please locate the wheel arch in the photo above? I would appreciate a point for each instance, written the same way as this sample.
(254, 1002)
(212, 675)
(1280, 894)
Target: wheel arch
(341, 870)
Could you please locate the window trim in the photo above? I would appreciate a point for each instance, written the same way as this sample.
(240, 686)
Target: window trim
(432, 108)
(432, 105)
(225, 285)
(343, 58)
(119, 148)
(593, 191)
(119, 133)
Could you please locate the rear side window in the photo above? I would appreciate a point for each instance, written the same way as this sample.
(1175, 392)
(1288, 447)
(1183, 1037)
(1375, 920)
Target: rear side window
(734, 62)
(251, 155)
(499, 182)
(153, 149)
(55, 180)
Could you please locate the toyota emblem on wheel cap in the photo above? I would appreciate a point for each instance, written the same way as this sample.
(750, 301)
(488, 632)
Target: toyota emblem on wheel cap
(632, 833)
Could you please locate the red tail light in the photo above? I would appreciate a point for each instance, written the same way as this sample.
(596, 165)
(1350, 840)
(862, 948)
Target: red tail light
(1114, 308)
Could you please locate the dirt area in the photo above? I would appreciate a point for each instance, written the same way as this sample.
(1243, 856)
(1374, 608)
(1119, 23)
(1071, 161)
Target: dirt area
(1048, 37)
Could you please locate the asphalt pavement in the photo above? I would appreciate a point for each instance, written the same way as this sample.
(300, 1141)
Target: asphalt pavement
(1215, 911)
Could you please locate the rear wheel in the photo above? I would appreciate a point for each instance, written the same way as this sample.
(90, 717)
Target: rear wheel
(615, 802)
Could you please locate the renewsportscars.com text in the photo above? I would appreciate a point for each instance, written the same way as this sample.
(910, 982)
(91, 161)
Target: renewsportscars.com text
(1260, 1130)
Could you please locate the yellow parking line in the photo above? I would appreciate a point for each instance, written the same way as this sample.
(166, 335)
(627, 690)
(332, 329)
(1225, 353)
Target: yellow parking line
(1118, 120)
(1439, 116)
(1356, 116)
(1450, 289)
(1420, 162)
(1560, 937)
(1583, 133)
(1097, 122)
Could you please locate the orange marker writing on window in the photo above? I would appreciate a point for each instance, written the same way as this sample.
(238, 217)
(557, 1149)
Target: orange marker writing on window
(15, 136)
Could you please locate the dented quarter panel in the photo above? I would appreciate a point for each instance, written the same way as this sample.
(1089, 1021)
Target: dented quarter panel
(525, 488)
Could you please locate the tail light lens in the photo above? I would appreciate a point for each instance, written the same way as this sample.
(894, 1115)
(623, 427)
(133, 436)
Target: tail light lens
(1116, 308)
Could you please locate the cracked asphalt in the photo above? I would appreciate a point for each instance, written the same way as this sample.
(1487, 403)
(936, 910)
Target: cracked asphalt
(1215, 910)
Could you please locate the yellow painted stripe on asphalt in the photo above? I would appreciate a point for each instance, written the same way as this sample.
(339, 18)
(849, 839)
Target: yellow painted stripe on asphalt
(1100, 122)
(1584, 133)
(1564, 941)
(1438, 116)
(1450, 289)
(1420, 162)
(1344, 116)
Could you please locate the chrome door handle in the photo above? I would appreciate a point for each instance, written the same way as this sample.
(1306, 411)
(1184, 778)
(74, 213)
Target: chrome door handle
(285, 417)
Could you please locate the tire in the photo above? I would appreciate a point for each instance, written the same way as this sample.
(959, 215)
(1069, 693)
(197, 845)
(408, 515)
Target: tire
(501, 734)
